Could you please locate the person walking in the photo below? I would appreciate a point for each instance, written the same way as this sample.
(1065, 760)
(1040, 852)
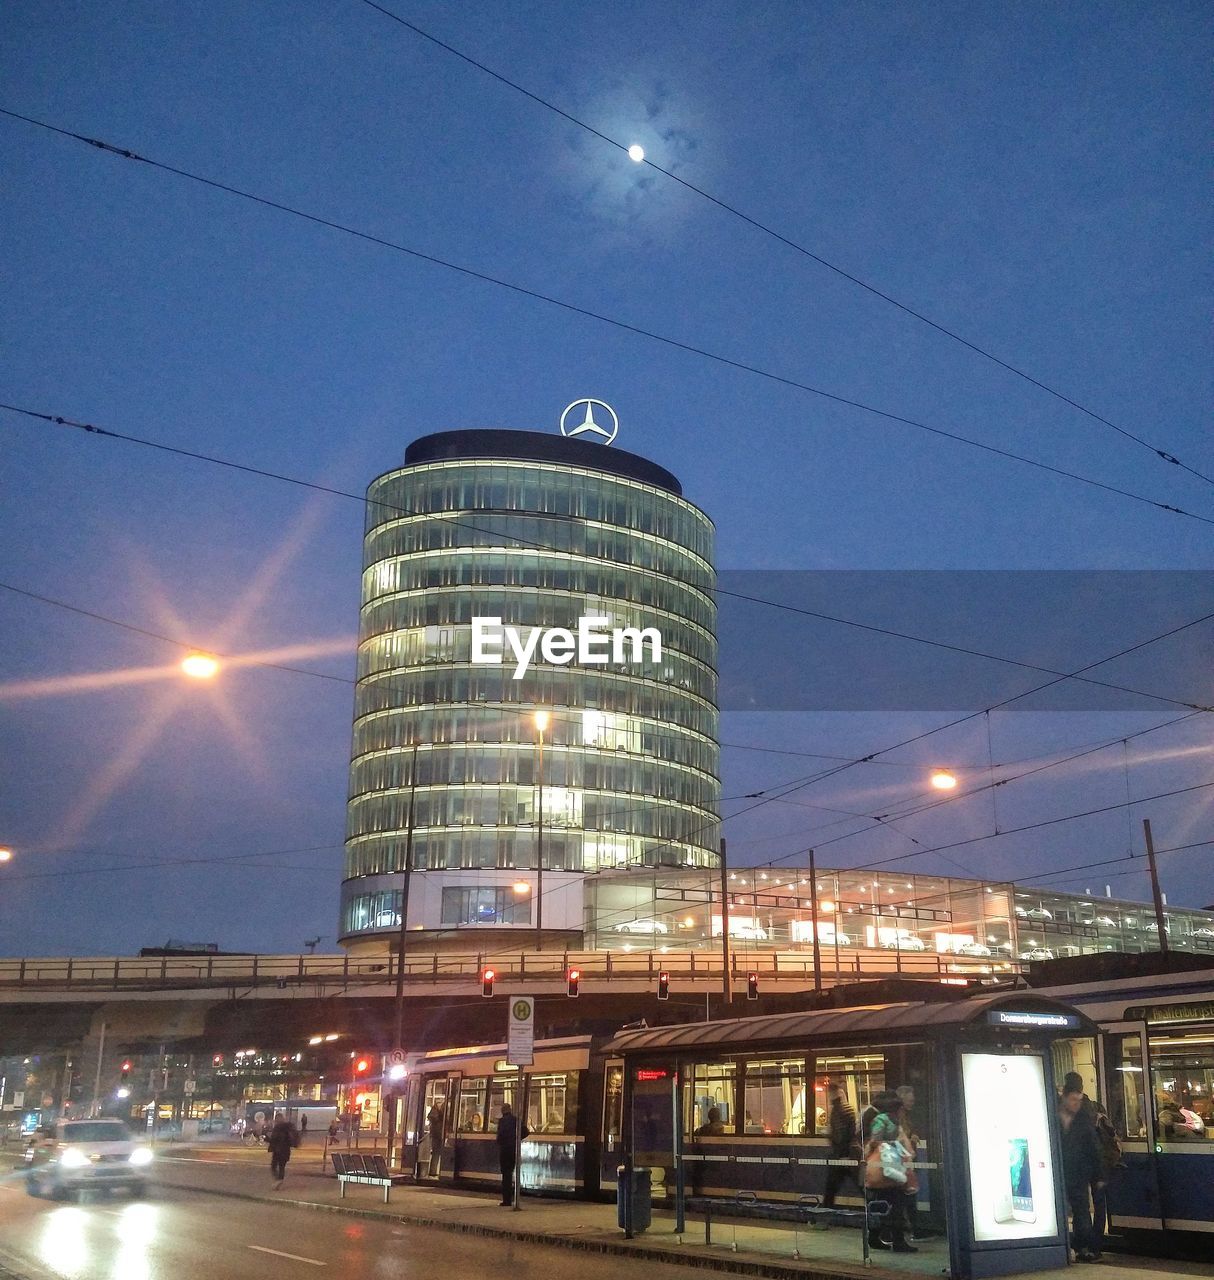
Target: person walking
(843, 1146)
(1082, 1169)
(284, 1137)
(507, 1143)
(886, 1127)
(1109, 1146)
(303, 1126)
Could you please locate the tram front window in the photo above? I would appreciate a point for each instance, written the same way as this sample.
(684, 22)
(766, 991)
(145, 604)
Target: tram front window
(1182, 1077)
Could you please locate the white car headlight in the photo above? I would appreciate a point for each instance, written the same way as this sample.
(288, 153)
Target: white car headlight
(72, 1158)
(141, 1155)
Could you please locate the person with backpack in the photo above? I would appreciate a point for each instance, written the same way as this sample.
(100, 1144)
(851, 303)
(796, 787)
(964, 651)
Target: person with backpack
(1082, 1169)
(886, 1166)
(283, 1139)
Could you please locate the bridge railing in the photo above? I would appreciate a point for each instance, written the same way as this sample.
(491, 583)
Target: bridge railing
(119, 973)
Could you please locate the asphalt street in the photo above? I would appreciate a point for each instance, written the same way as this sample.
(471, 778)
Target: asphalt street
(179, 1235)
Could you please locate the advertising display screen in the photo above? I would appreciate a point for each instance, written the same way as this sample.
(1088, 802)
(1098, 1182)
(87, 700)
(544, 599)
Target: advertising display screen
(1008, 1137)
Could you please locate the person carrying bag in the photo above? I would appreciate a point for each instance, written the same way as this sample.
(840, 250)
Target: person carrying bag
(887, 1172)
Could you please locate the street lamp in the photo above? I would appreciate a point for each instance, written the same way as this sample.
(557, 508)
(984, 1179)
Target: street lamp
(201, 666)
(6, 854)
(541, 723)
(943, 779)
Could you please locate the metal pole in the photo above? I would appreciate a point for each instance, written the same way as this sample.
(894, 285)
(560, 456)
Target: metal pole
(97, 1078)
(539, 852)
(518, 1141)
(813, 907)
(1155, 894)
(727, 984)
(680, 1173)
(398, 1037)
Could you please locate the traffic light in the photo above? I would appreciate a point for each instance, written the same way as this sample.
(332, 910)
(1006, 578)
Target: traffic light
(572, 978)
(487, 976)
(664, 985)
(126, 1070)
(362, 1066)
(217, 1060)
(752, 986)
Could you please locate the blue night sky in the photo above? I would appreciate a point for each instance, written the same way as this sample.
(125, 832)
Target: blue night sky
(1034, 177)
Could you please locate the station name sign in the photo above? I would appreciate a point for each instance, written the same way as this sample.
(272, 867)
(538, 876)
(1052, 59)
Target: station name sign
(1036, 1018)
(1194, 1011)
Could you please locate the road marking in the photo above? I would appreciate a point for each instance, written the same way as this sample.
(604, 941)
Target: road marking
(315, 1262)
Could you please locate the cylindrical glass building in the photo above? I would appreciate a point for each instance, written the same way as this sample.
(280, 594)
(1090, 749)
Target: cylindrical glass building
(538, 531)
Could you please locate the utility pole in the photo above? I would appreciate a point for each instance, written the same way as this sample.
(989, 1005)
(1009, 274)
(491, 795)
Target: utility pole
(813, 907)
(727, 984)
(1155, 893)
(399, 1031)
(96, 1107)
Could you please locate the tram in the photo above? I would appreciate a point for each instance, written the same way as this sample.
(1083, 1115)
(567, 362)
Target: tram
(1152, 1069)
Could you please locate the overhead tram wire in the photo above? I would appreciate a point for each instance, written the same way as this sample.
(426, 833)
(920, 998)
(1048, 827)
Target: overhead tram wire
(516, 539)
(624, 326)
(894, 814)
(1163, 454)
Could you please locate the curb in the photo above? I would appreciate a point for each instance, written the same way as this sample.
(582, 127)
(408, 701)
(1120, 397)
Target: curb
(733, 1264)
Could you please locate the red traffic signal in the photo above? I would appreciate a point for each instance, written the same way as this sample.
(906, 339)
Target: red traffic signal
(487, 977)
(217, 1060)
(664, 985)
(572, 978)
(752, 986)
(362, 1066)
(126, 1068)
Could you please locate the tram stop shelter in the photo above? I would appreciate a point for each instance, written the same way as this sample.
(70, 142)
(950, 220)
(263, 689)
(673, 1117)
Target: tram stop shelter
(738, 1113)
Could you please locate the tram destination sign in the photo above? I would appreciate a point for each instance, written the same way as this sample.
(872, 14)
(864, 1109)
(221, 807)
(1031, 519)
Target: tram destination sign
(1194, 1011)
(1036, 1019)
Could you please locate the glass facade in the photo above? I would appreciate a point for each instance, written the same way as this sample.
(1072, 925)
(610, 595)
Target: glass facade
(539, 532)
(953, 923)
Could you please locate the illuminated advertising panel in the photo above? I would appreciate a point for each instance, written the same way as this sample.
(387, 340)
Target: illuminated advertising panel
(1008, 1137)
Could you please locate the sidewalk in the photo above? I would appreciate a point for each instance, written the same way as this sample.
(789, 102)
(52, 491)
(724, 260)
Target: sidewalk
(584, 1225)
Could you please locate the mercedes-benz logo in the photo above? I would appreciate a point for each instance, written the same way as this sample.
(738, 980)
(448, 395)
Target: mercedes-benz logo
(588, 426)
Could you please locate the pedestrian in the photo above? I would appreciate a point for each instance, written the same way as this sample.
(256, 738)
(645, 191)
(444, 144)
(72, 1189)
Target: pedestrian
(910, 1140)
(1110, 1157)
(284, 1136)
(507, 1142)
(436, 1125)
(334, 1130)
(885, 1131)
(841, 1122)
(1082, 1169)
(303, 1126)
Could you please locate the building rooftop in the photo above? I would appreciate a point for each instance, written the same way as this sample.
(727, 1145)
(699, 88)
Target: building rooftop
(538, 446)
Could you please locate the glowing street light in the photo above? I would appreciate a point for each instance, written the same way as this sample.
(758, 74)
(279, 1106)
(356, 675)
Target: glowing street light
(6, 854)
(636, 153)
(521, 888)
(200, 666)
(943, 780)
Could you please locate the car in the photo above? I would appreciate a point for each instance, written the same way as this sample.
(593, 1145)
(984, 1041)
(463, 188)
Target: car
(1203, 932)
(904, 942)
(641, 926)
(72, 1155)
(747, 932)
(837, 940)
(1037, 953)
(1106, 922)
(973, 949)
(1034, 913)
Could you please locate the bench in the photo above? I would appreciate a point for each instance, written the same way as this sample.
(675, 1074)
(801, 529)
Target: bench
(370, 1170)
(804, 1211)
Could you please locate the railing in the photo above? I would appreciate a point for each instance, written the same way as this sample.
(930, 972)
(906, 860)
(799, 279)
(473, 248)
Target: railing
(791, 968)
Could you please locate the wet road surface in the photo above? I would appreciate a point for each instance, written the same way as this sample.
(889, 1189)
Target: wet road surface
(179, 1235)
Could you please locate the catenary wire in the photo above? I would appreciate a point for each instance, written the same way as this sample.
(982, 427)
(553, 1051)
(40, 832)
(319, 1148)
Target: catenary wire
(801, 249)
(455, 522)
(625, 326)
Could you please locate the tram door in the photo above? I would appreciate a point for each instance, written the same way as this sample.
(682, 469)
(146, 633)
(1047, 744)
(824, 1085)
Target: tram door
(437, 1147)
(1135, 1193)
